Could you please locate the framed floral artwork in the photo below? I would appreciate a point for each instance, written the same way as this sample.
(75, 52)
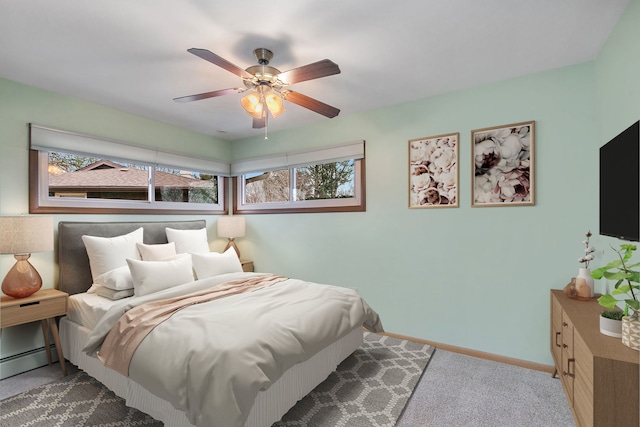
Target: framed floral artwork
(503, 159)
(433, 171)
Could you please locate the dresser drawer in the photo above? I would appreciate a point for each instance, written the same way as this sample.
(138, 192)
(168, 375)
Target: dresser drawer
(32, 310)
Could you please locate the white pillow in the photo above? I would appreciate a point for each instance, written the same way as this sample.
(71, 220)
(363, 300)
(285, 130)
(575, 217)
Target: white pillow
(109, 253)
(213, 263)
(154, 276)
(156, 252)
(189, 241)
(117, 279)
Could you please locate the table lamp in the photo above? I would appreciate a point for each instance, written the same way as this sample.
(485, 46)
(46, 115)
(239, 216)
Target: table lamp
(21, 236)
(231, 227)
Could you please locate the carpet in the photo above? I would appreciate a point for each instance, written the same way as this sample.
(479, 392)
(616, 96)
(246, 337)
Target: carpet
(370, 389)
(461, 390)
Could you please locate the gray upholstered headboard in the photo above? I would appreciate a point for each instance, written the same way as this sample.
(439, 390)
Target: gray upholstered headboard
(73, 261)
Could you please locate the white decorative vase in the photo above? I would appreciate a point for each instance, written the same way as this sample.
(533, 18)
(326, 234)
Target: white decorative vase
(611, 327)
(584, 283)
(631, 332)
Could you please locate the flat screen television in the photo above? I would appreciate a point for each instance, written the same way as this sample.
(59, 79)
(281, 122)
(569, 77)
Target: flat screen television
(620, 185)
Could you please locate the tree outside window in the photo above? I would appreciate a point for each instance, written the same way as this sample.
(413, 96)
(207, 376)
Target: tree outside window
(333, 186)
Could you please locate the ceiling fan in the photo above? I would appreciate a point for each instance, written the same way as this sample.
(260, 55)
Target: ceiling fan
(268, 86)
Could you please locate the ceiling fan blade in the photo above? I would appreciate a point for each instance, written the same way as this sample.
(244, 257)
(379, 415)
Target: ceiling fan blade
(316, 70)
(220, 62)
(311, 104)
(259, 123)
(206, 95)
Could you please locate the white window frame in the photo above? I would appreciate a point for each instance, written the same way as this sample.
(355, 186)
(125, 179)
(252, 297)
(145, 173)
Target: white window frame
(350, 151)
(48, 139)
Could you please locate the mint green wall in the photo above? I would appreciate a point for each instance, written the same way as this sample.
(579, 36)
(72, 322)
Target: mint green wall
(21, 105)
(472, 277)
(618, 84)
(617, 70)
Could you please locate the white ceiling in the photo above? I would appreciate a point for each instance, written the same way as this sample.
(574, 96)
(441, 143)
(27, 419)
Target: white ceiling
(132, 54)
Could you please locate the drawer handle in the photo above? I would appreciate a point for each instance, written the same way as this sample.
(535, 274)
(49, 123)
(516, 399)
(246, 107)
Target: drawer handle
(570, 374)
(557, 335)
(26, 304)
(565, 346)
(565, 324)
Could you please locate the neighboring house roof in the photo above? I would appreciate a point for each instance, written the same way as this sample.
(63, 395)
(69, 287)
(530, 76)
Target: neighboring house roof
(102, 164)
(105, 174)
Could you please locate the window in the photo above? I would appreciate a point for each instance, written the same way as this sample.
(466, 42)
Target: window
(72, 182)
(311, 185)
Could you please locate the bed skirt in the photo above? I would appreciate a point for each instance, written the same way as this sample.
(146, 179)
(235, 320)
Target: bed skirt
(270, 404)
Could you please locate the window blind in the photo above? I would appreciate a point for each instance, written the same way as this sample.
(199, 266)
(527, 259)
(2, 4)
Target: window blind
(335, 153)
(48, 139)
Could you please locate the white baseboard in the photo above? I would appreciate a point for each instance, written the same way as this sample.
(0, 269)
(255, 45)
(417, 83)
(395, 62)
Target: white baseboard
(14, 365)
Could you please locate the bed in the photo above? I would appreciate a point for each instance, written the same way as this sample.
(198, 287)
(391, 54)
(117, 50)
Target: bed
(301, 372)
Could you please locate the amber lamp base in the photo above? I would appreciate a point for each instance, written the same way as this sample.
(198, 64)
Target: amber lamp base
(22, 280)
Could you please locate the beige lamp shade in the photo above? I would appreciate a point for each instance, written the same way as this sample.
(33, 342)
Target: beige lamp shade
(21, 236)
(231, 227)
(25, 234)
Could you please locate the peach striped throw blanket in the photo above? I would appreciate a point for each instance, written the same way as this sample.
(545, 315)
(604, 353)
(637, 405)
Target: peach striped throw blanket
(132, 328)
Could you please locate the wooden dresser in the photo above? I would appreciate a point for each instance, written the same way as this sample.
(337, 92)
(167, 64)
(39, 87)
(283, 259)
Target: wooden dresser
(600, 375)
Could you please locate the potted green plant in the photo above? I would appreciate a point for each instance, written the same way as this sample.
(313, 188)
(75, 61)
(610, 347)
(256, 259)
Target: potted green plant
(626, 292)
(611, 322)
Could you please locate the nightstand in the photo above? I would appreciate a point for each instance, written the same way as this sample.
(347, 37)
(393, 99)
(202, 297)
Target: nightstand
(247, 266)
(44, 306)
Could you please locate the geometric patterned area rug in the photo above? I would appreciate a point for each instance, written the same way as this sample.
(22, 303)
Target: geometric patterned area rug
(370, 389)
(75, 400)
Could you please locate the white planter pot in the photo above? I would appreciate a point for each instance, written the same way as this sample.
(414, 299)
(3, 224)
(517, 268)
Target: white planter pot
(610, 327)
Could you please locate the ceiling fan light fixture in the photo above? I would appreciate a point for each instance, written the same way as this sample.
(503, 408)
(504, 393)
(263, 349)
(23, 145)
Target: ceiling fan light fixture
(274, 103)
(252, 104)
(267, 86)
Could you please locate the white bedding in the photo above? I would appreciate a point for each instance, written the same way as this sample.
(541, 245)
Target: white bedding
(87, 309)
(270, 405)
(249, 351)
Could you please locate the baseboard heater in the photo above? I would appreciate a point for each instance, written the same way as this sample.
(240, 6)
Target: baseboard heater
(25, 361)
